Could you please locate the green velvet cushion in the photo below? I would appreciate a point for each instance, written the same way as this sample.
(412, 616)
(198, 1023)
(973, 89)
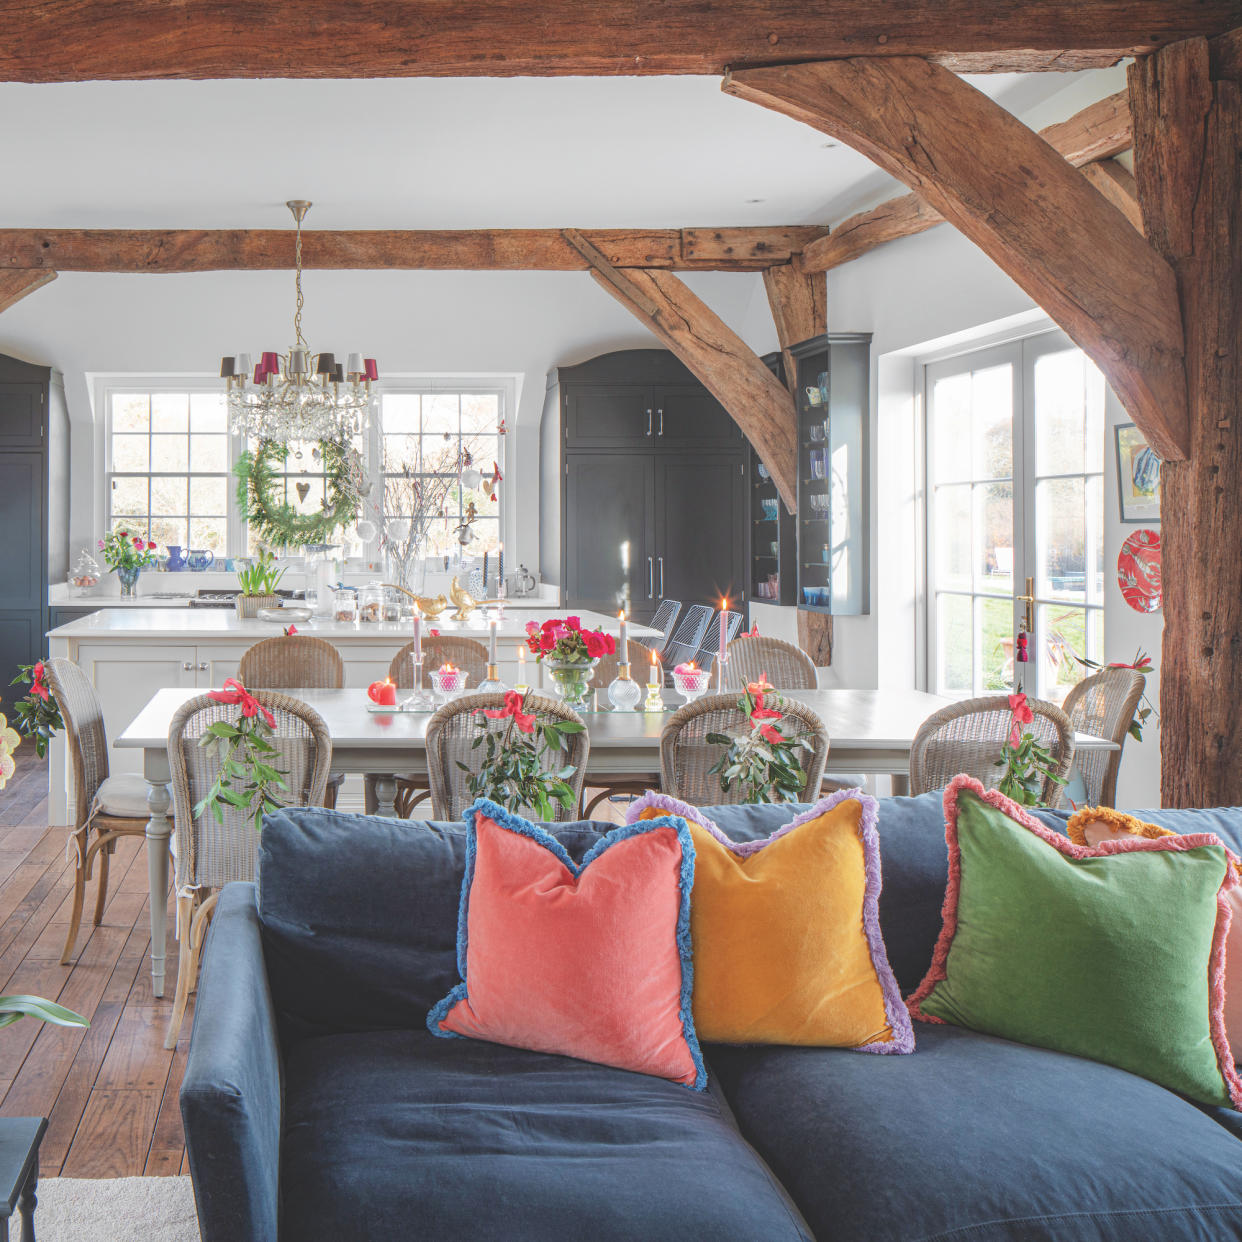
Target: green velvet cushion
(1108, 953)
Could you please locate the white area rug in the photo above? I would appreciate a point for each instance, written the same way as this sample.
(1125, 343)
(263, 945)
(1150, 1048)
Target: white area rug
(118, 1209)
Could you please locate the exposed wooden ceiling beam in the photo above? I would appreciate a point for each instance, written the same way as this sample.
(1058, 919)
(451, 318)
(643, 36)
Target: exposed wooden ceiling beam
(1017, 199)
(1100, 130)
(16, 285)
(197, 250)
(722, 361)
(1116, 182)
(799, 304)
(51, 41)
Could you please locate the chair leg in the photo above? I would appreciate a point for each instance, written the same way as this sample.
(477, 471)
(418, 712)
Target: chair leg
(75, 915)
(185, 916)
(101, 897)
(198, 934)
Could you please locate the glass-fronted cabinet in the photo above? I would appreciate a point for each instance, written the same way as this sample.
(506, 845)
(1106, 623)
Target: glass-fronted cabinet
(832, 397)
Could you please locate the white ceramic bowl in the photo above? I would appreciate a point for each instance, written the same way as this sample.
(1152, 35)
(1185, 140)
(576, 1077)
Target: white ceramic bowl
(284, 616)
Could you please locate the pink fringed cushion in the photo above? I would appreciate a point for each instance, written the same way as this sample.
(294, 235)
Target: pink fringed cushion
(1114, 952)
(787, 943)
(589, 961)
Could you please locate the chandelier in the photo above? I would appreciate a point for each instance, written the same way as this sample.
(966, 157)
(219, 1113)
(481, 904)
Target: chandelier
(299, 395)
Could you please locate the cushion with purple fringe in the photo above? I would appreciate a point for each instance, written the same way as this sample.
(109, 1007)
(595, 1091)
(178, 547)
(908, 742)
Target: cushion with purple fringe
(786, 932)
(1114, 952)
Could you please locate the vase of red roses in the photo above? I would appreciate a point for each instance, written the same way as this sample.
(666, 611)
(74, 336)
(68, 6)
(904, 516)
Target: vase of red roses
(126, 555)
(569, 653)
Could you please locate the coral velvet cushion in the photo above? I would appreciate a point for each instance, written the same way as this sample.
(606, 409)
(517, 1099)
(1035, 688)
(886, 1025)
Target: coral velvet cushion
(592, 961)
(1092, 825)
(787, 944)
(1114, 952)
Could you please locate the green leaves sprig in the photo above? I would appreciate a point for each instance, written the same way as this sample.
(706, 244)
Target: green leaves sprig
(1027, 766)
(246, 778)
(38, 714)
(764, 760)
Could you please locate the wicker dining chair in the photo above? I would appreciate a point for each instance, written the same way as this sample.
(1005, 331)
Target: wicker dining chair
(686, 755)
(450, 736)
(605, 672)
(295, 662)
(664, 620)
(787, 667)
(438, 649)
(107, 807)
(1103, 704)
(684, 645)
(968, 737)
(210, 854)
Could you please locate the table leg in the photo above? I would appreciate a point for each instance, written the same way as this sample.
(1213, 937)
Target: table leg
(159, 829)
(27, 1202)
(385, 794)
(900, 784)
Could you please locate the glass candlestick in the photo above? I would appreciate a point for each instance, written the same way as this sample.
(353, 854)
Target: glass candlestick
(655, 698)
(624, 693)
(448, 682)
(492, 684)
(720, 673)
(690, 682)
(419, 700)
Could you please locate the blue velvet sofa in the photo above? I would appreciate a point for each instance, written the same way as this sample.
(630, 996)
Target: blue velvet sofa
(317, 1106)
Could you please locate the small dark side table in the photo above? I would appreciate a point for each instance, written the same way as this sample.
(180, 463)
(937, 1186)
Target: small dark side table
(19, 1172)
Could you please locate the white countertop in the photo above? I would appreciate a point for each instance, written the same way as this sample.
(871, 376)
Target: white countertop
(223, 625)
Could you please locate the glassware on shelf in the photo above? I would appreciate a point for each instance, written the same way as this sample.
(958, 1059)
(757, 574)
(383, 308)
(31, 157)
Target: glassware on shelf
(771, 509)
(690, 681)
(345, 604)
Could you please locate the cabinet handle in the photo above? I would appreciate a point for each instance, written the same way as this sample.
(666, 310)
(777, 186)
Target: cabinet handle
(648, 422)
(661, 414)
(661, 560)
(186, 666)
(650, 579)
(202, 668)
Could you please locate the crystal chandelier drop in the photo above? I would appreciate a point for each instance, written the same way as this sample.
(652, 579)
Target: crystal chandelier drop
(299, 395)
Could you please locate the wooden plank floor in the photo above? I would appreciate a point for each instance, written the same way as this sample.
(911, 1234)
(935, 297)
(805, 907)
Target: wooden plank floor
(109, 1092)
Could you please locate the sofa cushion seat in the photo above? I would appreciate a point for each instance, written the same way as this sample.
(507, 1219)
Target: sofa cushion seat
(397, 1134)
(977, 1139)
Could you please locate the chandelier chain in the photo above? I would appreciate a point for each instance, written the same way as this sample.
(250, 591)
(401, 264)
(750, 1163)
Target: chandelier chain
(297, 314)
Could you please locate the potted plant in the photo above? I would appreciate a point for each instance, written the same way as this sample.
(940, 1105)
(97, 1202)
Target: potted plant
(258, 580)
(570, 653)
(127, 556)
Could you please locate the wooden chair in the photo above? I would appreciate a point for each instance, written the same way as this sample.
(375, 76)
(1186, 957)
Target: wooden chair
(438, 649)
(968, 737)
(108, 807)
(686, 756)
(787, 667)
(295, 662)
(210, 854)
(1103, 704)
(450, 735)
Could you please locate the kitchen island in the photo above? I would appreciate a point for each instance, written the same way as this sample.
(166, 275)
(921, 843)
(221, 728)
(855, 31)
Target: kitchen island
(130, 653)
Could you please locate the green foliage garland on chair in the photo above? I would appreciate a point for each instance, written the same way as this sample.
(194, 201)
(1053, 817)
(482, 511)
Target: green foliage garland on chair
(277, 523)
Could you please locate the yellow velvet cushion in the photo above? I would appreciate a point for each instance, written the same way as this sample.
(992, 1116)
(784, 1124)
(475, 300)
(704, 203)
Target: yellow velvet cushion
(785, 931)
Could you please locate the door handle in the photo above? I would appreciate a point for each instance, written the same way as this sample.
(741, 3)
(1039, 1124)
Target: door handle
(661, 414)
(650, 579)
(1028, 603)
(661, 560)
(648, 422)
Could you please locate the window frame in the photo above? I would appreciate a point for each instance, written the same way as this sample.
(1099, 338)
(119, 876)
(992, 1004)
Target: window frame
(1022, 352)
(503, 385)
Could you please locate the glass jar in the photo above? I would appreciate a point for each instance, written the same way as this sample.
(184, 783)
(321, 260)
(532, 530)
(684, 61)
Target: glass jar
(85, 576)
(371, 603)
(392, 604)
(345, 604)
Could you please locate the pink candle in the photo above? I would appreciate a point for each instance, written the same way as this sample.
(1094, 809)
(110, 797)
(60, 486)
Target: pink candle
(724, 610)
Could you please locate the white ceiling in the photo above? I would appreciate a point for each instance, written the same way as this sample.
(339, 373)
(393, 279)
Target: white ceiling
(429, 153)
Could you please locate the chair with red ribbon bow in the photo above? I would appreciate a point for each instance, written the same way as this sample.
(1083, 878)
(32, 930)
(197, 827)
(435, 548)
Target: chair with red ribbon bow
(216, 841)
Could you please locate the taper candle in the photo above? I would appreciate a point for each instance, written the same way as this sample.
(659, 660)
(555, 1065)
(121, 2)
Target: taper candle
(622, 648)
(492, 627)
(418, 634)
(724, 616)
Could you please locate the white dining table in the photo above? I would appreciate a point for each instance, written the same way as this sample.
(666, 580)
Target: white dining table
(870, 731)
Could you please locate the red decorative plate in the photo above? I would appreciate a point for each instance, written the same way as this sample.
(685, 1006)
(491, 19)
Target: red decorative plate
(1138, 571)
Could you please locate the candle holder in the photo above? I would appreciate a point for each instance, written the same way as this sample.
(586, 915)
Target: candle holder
(448, 683)
(691, 682)
(419, 700)
(624, 693)
(720, 673)
(492, 684)
(655, 697)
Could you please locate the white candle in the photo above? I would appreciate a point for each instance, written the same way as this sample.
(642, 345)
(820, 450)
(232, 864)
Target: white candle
(622, 648)
(655, 670)
(521, 678)
(492, 626)
(724, 608)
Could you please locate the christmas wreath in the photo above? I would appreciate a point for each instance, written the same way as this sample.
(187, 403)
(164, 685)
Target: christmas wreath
(276, 522)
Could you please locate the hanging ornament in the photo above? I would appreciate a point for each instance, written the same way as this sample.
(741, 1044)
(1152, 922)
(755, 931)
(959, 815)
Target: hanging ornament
(1021, 654)
(500, 431)
(471, 479)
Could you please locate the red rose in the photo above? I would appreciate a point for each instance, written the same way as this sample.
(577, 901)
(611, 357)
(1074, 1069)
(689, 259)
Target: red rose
(151, 546)
(122, 534)
(547, 640)
(37, 672)
(138, 543)
(573, 623)
(532, 627)
(594, 643)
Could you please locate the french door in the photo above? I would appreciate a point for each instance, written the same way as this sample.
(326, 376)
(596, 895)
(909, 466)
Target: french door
(1015, 451)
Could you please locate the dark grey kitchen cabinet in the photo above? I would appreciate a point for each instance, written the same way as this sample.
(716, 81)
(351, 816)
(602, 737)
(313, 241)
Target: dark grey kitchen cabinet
(645, 486)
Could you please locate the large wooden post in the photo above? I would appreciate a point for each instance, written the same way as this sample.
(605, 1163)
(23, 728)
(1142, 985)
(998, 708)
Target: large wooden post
(1188, 165)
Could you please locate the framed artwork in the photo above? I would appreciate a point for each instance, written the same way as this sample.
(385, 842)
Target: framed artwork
(1138, 477)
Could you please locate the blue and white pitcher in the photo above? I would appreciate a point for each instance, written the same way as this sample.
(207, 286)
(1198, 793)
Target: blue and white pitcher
(176, 561)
